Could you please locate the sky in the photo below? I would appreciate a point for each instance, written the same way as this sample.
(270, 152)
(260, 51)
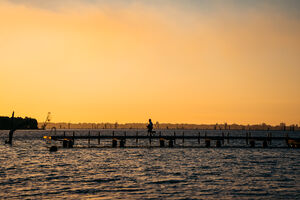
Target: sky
(175, 61)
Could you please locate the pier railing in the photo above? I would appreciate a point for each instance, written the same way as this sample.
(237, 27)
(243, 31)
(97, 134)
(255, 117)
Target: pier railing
(169, 139)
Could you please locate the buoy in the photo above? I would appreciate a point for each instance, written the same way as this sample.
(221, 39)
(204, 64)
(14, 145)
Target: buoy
(53, 148)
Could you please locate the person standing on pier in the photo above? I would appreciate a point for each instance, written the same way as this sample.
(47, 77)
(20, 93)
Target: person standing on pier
(150, 127)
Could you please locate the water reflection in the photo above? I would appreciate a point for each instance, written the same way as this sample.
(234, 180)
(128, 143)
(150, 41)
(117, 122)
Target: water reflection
(29, 170)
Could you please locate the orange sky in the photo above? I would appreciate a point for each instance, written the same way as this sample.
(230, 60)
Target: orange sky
(106, 63)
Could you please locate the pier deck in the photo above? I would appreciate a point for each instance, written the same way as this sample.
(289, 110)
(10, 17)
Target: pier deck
(171, 137)
(167, 137)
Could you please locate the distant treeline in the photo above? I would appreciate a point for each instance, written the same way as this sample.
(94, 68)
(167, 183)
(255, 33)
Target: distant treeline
(6, 123)
(157, 125)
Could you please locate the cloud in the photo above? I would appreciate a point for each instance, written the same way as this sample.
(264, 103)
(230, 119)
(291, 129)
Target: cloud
(287, 6)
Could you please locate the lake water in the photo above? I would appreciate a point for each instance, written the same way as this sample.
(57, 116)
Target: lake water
(29, 171)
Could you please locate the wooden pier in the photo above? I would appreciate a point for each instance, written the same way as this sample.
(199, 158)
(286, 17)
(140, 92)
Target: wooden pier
(118, 138)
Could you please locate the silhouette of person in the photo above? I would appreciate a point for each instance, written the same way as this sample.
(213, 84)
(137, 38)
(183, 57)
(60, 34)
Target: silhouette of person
(150, 127)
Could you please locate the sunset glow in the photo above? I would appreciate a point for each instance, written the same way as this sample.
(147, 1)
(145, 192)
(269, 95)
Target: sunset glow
(176, 61)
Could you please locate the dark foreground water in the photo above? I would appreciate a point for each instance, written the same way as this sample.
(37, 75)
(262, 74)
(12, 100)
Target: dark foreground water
(29, 171)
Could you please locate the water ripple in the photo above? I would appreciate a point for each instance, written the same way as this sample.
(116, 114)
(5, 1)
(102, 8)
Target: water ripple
(29, 171)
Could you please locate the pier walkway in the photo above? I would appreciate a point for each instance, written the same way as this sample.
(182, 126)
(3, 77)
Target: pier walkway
(169, 138)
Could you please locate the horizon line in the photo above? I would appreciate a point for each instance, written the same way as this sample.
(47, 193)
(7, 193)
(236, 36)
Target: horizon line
(177, 123)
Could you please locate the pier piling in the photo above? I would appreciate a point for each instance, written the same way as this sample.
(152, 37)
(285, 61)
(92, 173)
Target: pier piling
(252, 143)
(265, 144)
(223, 138)
(68, 138)
(207, 142)
(89, 139)
(122, 143)
(114, 142)
(124, 137)
(73, 137)
(99, 137)
(161, 142)
(174, 137)
(171, 143)
(65, 144)
(218, 143)
(228, 138)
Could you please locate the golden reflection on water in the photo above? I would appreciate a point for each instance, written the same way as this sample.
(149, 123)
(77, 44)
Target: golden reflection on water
(29, 170)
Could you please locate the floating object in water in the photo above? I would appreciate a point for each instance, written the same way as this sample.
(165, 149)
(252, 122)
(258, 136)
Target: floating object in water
(53, 148)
